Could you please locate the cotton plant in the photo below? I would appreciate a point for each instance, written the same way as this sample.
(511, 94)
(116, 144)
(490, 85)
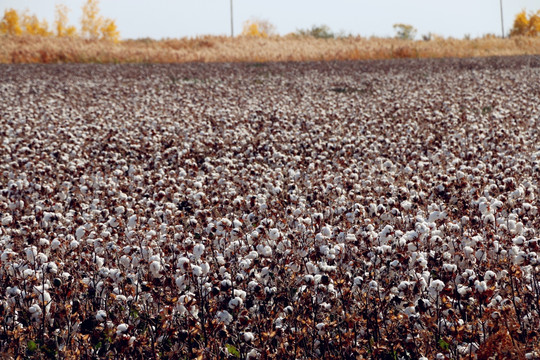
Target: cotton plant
(301, 223)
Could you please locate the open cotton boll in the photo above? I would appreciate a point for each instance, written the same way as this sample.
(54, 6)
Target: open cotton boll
(7, 219)
(248, 336)
(264, 250)
(518, 240)
(197, 270)
(224, 317)
(155, 268)
(79, 233)
(436, 286)
(198, 250)
(55, 244)
(480, 286)
(122, 328)
(101, 315)
(253, 354)
(274, 234)
(235, 303)
(35, 311)
(132, 221)
(326, 231)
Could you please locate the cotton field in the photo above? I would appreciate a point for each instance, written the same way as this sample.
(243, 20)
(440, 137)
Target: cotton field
(354, 210)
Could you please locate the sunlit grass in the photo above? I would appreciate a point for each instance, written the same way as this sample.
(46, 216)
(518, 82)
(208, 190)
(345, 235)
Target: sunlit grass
(35, 49)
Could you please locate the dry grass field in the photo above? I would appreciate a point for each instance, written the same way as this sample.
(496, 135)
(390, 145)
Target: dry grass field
(35, 49)
(321, 210)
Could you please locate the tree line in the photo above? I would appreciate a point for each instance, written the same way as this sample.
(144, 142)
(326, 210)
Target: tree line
(93, 26)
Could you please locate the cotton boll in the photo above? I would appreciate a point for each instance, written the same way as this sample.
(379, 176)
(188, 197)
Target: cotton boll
(197, 270)
(55, 244)
(248, 336)
(488, 219)
(132, 221)
(183, 263)
(467, 250)
(437, 286)
(235, 302)
(7, 220)
(121, 329)
(480, 286)
(205, 267)
(79, 233)
(121, 298)
(101, 315)
(224, 317)
(326, 231)
(274, 234)
(489, 275)
(519, 240)
(450, 267)
(35, 311)
(28, 273)
(125, 261)
(31, 253)
(265, 251)
(155, 268)
(410, 311)
(198, 250)
(51, 267)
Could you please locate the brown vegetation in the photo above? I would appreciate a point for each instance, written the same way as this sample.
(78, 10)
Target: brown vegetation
(35, 49)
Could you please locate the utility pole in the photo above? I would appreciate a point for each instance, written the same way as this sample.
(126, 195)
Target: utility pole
(502, 21)
(232, 26)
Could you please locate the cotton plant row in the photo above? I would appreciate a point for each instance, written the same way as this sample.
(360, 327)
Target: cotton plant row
(326, 210)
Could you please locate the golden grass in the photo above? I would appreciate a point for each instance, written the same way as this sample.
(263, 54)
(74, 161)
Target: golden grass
(35, 49)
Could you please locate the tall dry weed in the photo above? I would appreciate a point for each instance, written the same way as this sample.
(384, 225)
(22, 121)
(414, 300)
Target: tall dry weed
(36, 49)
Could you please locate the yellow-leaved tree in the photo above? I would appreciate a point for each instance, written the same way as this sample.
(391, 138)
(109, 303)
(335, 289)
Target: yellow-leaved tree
(10, 23)
(61, 22)
(91, 21)
(33, 26)
(526, 25)
(109, 30)
(94, 26)
(258, 28)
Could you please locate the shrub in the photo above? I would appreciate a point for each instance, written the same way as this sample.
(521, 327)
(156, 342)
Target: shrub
(258, 28)
(317, 31)
(404, 31)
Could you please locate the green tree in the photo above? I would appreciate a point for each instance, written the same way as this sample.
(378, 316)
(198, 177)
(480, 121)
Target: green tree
(317, 31)
(404, 31)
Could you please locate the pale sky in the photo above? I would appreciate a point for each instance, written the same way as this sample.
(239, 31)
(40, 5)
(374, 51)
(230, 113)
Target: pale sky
(182, 18)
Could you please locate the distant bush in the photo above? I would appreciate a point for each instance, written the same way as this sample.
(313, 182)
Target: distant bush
(258, 28)
(404, 31)
(317, 31)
